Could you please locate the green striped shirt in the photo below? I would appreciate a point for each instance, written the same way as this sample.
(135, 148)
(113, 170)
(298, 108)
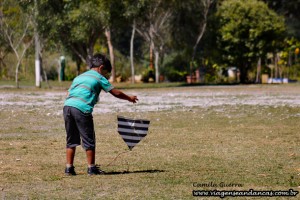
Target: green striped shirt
(85, 90)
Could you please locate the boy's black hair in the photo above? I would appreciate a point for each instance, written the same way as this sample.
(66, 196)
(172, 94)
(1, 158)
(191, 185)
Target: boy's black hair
(100, 59)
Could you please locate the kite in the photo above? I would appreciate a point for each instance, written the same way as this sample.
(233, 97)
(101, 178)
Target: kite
(132, 130)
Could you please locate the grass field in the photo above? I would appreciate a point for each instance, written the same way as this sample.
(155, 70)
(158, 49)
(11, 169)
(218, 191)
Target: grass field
(200, 138)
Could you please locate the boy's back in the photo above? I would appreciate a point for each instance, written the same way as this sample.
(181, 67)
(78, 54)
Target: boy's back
(85, 89)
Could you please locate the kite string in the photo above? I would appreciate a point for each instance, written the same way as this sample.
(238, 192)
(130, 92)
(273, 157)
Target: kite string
(109, 164)
(135, 111)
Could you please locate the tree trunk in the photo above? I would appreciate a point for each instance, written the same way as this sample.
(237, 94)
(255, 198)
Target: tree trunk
(276, 65)
(37, 60)
(78, 62)
(244, 73)
(131, 53)
(151, 57)
(279, 70)
(17, 75)
(156, 53)
(202, 30)
(258, 73)
(44, 72)
(196, 45)
(111, 54)
(37, 51)
(2, 65)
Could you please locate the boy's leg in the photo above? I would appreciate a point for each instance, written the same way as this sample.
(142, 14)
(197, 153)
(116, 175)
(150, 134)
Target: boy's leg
(72, 140)
(90, 155)
(70, 152)
(85, 124)
(92, 168)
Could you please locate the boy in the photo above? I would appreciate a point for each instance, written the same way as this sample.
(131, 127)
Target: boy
(78, 107)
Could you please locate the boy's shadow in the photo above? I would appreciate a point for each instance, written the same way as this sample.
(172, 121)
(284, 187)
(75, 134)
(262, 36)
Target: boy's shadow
(134, 172)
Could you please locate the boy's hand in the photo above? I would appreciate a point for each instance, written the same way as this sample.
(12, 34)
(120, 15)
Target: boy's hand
(133, 99)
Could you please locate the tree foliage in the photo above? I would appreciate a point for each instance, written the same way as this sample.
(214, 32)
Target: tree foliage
(208, 32)
(248, 30)
(290, 10)
(76, 25)
(16, 27)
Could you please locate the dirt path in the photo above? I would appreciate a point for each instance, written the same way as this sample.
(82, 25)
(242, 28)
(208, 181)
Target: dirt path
(179, 98)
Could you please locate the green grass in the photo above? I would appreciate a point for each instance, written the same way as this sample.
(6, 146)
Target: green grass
(66, 85)
(123, 85)
(256, 147)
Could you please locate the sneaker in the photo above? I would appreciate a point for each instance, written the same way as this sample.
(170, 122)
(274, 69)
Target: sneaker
(95, 170)
(70, 171)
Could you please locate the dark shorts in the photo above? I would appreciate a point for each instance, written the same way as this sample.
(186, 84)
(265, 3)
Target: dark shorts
(79, 127)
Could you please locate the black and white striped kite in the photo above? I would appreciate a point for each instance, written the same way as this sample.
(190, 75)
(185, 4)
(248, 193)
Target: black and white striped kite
(132, 130)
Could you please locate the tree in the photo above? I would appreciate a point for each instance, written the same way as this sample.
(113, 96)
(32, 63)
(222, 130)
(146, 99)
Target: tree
(4, 47)
(133, 10)
(192, 16)
(79, 25)
(76, 25)
(154, 29)
(290, 11)
(131, 52)
(248, 30)
(113, 19)
(16, 25)
(111, 52)
(38, 52)
(202, 27)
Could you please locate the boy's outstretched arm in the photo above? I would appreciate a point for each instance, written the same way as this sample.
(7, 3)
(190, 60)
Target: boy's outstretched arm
(117, 93)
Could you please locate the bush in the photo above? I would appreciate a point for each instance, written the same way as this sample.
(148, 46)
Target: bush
(147, 74)
(174, 75)
(52, 73)
(175, 67)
